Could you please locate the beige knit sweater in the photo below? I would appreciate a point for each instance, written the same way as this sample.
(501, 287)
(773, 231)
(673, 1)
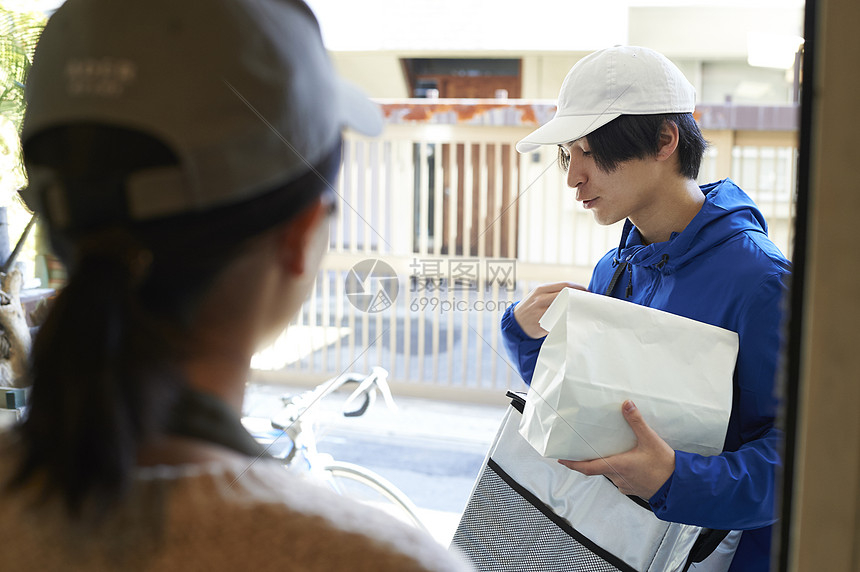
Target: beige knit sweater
(230, 514)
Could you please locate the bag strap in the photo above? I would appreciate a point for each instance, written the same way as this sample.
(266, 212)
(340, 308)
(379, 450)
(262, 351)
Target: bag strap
(518, 399)
(705, 545)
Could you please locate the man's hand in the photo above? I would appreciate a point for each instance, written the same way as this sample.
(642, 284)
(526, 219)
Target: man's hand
(642, 470)
(529, 311)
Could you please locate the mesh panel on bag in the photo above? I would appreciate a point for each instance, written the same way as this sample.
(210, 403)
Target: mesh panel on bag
(505, 529)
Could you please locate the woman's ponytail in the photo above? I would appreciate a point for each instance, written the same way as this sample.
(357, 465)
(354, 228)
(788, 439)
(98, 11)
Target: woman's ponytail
(105, 366)
(98, 374)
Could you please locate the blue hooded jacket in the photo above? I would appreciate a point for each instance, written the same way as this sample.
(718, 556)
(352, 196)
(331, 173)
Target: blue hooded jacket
(722, 269)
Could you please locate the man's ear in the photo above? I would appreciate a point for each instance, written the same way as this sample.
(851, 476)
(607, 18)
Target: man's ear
(667, 140)
(297, 235)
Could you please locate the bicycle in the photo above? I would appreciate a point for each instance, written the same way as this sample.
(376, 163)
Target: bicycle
(298, 452)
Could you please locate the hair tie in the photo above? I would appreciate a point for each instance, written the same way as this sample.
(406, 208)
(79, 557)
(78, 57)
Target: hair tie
(118, 246)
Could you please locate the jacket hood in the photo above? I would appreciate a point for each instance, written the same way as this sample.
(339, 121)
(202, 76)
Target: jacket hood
(726, 212)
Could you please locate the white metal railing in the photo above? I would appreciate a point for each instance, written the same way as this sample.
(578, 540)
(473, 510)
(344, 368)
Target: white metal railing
(468, 226)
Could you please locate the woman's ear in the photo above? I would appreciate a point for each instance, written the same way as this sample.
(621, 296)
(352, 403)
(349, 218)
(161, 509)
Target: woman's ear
(667, 140)
(299, 238)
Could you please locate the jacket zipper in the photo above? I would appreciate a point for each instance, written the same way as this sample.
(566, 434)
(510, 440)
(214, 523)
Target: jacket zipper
(656, 284)
(629, 291)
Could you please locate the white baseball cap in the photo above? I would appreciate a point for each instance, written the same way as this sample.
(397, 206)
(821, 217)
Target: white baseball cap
(624, 80)
(242, 91)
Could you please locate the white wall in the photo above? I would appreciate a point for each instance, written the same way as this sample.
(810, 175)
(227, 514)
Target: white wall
(744, 84)
(381, 75)
(543, 73)
(710, 32)
(707, 41)
(378, 73)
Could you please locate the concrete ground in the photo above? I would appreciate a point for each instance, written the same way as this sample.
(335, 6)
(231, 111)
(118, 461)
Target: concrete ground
(431, 450)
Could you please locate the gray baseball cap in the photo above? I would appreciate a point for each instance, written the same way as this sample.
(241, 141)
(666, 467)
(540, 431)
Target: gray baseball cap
(242, 91)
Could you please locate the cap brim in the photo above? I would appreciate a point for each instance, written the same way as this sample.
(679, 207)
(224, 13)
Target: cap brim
(357, 111)
(563, 129)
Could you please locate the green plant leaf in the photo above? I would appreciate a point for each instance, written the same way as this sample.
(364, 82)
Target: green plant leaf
(19, 32)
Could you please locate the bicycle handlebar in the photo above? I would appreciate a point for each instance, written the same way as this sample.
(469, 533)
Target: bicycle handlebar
(376, 380)
(368, 386)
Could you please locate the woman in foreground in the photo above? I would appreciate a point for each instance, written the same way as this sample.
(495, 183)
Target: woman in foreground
(182, 154)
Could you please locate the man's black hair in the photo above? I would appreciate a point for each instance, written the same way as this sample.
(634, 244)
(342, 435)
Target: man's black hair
(638, 136)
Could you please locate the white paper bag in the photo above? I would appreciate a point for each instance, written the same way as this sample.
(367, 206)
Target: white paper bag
(601, 351)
